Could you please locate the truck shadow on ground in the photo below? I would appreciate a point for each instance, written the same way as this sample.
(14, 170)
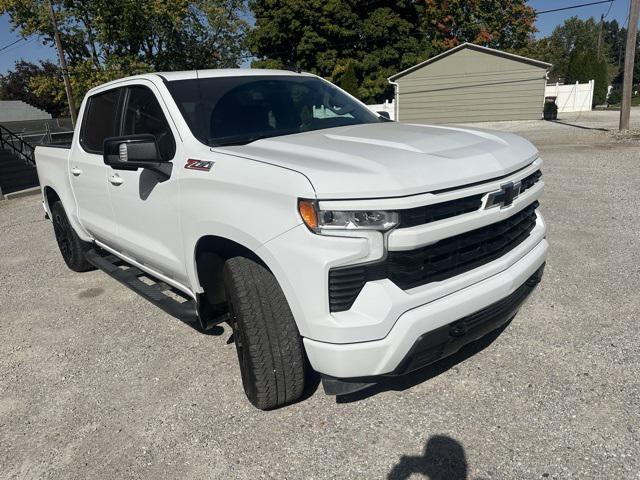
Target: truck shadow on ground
(424, 374)
(443, 459)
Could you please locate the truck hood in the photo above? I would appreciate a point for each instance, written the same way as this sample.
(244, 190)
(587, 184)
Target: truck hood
(392, 159)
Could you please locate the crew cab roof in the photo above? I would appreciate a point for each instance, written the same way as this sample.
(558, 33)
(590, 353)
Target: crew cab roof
(224, 72)
(210, 73)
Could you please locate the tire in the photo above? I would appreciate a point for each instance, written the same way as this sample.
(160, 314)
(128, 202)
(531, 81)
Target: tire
(269, 346)
(71, 247)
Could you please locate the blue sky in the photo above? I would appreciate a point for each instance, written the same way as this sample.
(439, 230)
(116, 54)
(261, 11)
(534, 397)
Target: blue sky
(32, 49)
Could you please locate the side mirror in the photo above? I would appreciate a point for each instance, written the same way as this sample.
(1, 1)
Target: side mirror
(132, 152)
(384, 115)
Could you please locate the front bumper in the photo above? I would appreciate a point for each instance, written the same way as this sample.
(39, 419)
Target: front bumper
(386, 355)
(446, 340)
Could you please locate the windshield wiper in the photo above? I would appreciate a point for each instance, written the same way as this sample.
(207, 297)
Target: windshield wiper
(239, 141)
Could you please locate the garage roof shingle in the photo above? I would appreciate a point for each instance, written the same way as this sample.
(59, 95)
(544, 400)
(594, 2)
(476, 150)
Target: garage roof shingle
(490, 51)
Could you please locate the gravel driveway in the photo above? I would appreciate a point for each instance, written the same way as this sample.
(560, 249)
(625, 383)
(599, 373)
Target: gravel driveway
(97, 383)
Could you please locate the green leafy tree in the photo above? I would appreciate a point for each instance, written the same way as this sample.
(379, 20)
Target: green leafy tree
(585, 66)
(501, 24)
(379, 38)
(600, 73)
(349, 80)
(580, 66)
(619, 72)
(108, 39)
(615, 38)
(20, 84)
(572, 36)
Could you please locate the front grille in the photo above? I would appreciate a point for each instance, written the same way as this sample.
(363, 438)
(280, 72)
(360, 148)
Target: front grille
(459, 254)
(413, 217)
(444, 259)
(530, 180)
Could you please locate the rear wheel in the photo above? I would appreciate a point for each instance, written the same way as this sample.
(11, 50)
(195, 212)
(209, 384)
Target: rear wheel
(71, 247)
(269, 346)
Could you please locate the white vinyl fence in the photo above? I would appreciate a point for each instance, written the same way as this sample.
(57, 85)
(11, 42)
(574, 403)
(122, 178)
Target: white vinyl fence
(577, 97)
(387, 106)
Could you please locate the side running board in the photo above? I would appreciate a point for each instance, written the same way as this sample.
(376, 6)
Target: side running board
(166, 297)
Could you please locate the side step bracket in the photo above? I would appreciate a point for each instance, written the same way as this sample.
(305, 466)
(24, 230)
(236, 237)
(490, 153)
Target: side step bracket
(166, 297)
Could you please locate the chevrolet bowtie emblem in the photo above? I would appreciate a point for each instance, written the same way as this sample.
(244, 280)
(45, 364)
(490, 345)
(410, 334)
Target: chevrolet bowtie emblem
(505, 196)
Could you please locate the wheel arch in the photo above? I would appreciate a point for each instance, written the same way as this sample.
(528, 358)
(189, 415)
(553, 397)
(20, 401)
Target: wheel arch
(50, 197)
(209, 256)
(209, 268)
(209, 246)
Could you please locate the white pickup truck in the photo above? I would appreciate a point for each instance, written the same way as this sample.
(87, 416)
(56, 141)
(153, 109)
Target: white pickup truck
(325, 235)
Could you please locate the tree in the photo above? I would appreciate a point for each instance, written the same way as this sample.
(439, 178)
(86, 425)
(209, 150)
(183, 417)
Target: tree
(617, 78)
(615, 38)
(21, 84)
(379, 38)
(585, 66)
(501, 24)
(106, 39)
(572, 36)
(600, 73)
(349, 80)
(580, 66)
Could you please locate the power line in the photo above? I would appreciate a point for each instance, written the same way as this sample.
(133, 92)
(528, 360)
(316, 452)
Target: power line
(12, 43)
(609, 10)
(573, 6)
(17, 46)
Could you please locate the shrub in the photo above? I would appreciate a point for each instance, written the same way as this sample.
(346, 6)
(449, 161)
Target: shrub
(615, 96)
(601, 82)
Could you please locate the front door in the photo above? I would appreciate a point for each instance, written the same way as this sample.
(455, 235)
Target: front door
(146, 204)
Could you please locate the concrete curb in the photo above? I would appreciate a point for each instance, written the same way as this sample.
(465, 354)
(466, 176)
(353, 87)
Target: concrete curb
(22, 193)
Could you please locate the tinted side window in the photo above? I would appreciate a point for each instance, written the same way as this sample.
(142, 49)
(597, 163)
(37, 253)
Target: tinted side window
(144, 115)
(100, 120)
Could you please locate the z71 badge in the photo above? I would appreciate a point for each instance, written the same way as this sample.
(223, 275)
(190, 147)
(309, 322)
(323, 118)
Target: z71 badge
(201, 165)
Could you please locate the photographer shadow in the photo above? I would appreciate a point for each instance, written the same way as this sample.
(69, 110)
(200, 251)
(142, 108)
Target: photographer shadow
(443, 459)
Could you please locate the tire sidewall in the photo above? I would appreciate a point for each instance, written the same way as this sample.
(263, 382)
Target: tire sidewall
(242, 345)
(268, 343)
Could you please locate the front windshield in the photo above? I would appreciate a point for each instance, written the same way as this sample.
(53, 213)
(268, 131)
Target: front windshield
(239, 110)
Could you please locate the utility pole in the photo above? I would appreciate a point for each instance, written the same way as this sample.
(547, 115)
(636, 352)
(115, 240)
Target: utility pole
(600, 35)
(629, 57)
(63, 65)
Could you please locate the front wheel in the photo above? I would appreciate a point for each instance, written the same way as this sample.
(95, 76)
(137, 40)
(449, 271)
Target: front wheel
(71, 247)
(269, 346)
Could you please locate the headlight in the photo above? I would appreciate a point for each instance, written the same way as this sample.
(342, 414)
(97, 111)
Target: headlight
(320, 220)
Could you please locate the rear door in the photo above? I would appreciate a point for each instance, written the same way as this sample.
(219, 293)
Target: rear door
(87, 170)
(146, 205)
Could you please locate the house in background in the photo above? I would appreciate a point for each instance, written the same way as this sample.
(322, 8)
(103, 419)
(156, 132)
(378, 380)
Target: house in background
(470, 83)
